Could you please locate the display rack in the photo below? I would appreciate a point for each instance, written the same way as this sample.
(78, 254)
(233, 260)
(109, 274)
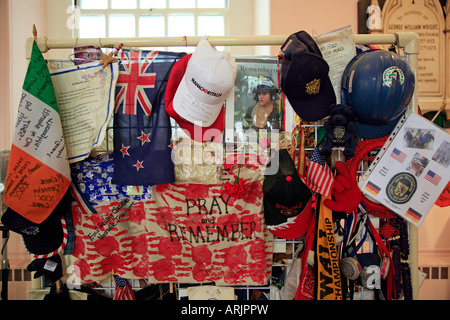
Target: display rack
(408, 42)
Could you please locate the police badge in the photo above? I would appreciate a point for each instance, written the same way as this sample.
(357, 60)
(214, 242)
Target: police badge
(401, 187)
(313, 87)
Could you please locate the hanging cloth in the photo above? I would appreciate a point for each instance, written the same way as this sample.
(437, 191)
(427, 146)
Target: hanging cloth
(305, 289)
(328, 277)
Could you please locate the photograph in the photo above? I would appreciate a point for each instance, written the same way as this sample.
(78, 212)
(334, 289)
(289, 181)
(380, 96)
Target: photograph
(417, 164)
(419, 138)
(255, 111)
(442, 155)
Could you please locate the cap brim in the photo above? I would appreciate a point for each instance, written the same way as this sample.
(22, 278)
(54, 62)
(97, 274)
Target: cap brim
(197, 133)
(287, 228)
(40, 244)
(366, 131)
(47, 242)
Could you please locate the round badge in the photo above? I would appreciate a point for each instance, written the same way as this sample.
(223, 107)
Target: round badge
(401, 187)
(350, 268)
(393, 73)
(339, 132)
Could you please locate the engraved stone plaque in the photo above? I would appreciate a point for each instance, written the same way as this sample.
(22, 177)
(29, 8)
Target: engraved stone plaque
(426, 18)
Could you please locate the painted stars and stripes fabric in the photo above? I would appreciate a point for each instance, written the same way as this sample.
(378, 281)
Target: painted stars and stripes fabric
(38, 173)
(142, 130)
(124, 291)
(319, 177)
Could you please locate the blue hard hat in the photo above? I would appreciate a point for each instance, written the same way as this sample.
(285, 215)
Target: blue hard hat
(379, 85)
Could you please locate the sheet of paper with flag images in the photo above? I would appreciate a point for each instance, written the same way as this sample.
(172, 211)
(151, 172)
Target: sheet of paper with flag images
(38, 173)
(142, 130)
(319, 177)
(408, 176)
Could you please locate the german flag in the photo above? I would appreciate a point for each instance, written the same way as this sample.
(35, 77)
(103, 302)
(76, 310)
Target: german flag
(372, 188)
(413, 215)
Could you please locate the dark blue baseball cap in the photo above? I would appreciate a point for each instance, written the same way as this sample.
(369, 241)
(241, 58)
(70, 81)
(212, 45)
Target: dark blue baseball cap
(304, 77)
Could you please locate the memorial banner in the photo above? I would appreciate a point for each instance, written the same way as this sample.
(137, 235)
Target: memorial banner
(211, 233)
(187, 233)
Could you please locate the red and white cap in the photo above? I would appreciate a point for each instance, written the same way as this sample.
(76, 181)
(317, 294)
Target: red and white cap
(207, 82)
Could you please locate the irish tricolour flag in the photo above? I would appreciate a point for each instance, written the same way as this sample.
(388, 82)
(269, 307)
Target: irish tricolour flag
(38, 172)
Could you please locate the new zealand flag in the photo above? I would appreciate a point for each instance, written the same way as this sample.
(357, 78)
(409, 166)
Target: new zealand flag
(142, 131)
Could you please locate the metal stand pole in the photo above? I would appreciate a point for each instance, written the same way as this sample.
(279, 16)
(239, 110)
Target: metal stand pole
(5, 264)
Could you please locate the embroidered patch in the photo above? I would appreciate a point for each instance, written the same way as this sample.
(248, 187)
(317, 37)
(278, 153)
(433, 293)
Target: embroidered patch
(313, 87)
(401, 187)
(289, 211)
(30, 231)
(338, 132)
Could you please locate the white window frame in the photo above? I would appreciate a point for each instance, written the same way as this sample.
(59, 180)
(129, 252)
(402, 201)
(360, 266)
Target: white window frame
(241, 20)
(196, 12)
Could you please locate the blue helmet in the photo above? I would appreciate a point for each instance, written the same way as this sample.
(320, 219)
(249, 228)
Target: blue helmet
(378, 85)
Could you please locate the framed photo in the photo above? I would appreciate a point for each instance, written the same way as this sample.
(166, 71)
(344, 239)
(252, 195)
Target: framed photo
(253, 110)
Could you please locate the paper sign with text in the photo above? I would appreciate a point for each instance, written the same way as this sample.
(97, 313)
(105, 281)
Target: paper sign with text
(85, 97)
(413, 169)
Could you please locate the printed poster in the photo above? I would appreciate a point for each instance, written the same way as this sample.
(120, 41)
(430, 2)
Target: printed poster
(85, 96)
(413, 169)
(338, 49)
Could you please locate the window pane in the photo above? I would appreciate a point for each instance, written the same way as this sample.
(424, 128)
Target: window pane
(123, 4)
(94, 4)
(122, 25)
(92, 26)
(181, 4)
(147, 4)
(210, 26)
(210, 3)
(151, 26)
(181, 25)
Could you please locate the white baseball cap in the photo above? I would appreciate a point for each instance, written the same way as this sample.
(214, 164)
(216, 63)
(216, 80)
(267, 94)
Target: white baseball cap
(209, 79)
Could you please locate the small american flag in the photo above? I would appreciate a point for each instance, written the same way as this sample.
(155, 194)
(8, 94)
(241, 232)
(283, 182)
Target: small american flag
(124, 291)
(433, 177)
(398, 155)
(319, 177)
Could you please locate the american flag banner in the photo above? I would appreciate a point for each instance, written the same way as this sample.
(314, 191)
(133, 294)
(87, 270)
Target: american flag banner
(142, 131)
(109, 224)
(319, 177)
(124, 291)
